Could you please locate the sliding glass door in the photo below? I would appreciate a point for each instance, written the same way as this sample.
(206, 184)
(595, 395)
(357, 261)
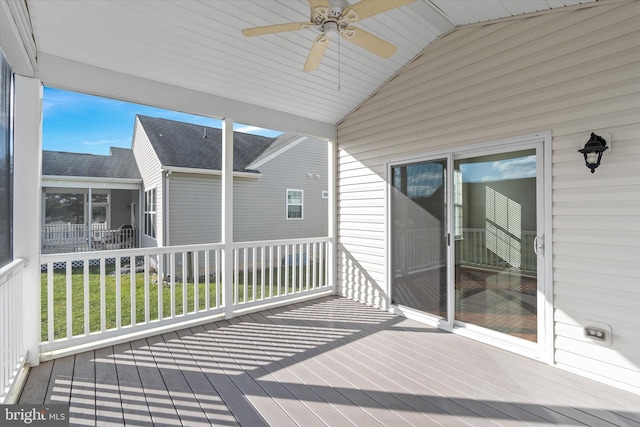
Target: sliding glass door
(419, 236)
(463, 234)
(495, 232)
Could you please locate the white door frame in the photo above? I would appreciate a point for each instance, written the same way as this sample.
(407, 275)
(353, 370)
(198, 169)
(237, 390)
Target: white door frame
(543, 349)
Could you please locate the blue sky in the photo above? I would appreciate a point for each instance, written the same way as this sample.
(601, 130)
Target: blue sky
(82, 123)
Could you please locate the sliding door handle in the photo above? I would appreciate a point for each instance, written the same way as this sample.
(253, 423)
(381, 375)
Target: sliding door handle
(538, 245)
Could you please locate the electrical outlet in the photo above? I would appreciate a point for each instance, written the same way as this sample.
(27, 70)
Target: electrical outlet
(598, 333)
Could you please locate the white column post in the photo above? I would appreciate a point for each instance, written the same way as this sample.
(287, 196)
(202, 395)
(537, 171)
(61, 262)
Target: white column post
(27, 141)
(226, 232)
(333, 215)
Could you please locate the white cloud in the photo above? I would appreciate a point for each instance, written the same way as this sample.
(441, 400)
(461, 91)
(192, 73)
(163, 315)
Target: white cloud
(522, 167)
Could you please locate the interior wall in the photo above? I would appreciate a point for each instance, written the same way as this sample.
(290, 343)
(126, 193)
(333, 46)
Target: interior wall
(573, 71)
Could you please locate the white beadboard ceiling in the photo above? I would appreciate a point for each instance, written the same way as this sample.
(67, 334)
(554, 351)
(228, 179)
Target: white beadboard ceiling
(198, 45)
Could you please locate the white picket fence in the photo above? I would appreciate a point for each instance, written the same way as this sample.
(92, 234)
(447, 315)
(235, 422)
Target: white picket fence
(12, 349)
(142, 291)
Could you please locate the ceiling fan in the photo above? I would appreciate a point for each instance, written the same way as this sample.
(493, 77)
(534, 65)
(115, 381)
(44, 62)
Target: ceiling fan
(333, 20)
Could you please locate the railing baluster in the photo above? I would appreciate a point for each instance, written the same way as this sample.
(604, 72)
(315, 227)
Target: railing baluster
(207, 279)
(301, 268)
(315, 265)
(147, 295)
(85, 276)
(218, 254)
(286, 269)
(279, 272)
(160, 281)
(184, 283)
(69, 291)
(254, 275)
(245, 274)
(307, 282)
(262, 272)
(103, 295)
(50, 314)
(172, 260)
(196, 281)
(236, 278)
(294, 265)
(133, 288)
(118, 272)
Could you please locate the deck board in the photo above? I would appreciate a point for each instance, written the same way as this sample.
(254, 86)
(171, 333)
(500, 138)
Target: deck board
(326, 362)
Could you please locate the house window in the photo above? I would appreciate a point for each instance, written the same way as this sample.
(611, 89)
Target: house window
(150, 213)
(100, 209)
(6, 163)
(294, 204)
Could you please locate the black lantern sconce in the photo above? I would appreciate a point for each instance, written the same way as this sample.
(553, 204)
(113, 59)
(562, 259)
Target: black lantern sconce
(593, 150)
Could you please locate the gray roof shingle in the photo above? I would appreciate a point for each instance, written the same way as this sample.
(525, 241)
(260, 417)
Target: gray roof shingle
(120, 163)
(194, 146)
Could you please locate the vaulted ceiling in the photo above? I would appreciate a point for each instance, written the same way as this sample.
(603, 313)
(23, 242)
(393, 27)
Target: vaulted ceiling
(198, 45)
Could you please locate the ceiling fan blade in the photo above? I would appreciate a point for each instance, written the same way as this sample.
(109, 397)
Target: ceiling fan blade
(369, 41)
(278, 28)
(319, 3)
(317, 52)
(366, 8)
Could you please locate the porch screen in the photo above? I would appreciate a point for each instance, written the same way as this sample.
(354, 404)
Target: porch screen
(6, 163)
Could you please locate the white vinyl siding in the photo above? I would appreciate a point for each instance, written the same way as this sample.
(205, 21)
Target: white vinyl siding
(259, 208)
(194, 208)
(572, 71)
(152, 177)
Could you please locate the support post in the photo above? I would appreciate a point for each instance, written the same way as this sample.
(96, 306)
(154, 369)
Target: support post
(26, 203)
(333, 215)
(226, 231)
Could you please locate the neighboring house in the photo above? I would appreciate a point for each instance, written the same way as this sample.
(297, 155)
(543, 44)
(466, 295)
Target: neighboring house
(280, 184)
(82, 189)
(166, 190)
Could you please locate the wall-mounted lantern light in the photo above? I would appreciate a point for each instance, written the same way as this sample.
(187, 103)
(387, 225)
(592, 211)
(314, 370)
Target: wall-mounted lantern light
(593, 150)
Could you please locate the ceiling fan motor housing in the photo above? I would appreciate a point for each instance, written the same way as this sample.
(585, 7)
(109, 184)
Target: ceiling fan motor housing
(330, 28)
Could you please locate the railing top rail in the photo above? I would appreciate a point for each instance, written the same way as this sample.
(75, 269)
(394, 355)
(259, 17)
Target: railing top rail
(260, 243)
(73, 256)
(11, 269)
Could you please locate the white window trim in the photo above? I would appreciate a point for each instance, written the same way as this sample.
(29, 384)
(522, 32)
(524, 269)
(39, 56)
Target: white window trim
(287, 204)
(154, 224)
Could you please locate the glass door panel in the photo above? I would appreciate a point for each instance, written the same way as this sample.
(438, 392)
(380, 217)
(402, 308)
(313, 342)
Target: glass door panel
(419, 236)
(495, 226)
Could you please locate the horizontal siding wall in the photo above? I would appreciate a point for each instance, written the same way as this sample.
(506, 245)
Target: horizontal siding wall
(571, 71)
(151, 172)
(194, 209)
(259, 204)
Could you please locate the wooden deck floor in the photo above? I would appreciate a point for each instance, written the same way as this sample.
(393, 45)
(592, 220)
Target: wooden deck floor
(327, 362)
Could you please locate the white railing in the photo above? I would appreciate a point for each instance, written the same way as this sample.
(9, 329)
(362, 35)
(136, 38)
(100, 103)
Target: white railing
(421, 249)
(272, 270)
(62, 238)
(97, 296)
(12, 349)
(497, 250)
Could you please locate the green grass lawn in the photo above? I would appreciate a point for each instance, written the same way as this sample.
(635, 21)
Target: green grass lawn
(78, 297)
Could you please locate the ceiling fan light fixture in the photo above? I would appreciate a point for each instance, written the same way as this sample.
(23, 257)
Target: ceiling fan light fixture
(330, 28)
